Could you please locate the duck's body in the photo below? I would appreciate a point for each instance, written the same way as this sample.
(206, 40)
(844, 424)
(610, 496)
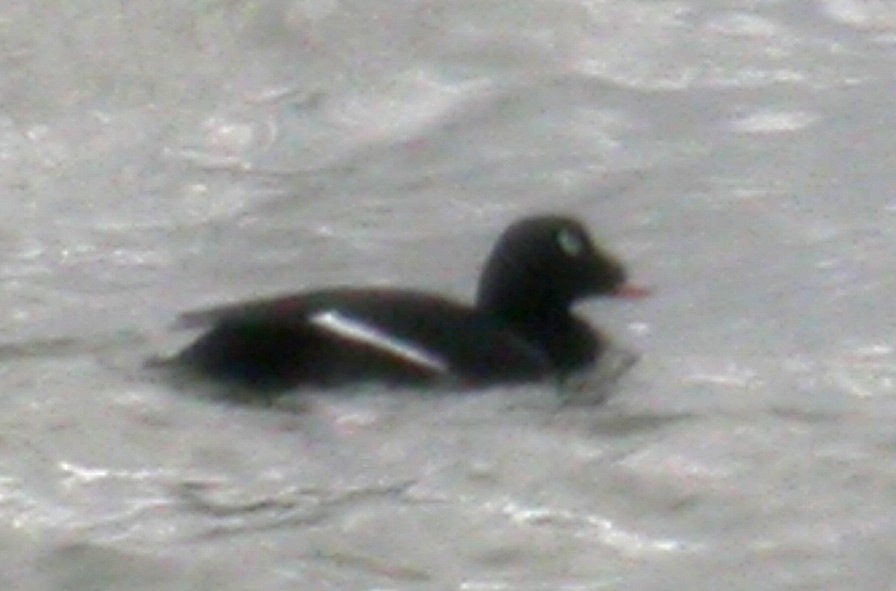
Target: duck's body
(520, 329)
(338, 336)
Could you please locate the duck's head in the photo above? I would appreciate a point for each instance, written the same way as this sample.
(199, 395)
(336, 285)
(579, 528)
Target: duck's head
(541, 265)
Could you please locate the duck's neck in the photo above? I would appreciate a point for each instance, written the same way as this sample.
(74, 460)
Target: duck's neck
(528, 309)
(517, 295)
(538, 310)
(567, 341)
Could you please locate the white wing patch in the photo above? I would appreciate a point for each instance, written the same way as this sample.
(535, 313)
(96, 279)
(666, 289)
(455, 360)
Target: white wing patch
(359, 331)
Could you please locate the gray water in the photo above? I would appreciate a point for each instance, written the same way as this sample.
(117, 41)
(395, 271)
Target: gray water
(161, 156)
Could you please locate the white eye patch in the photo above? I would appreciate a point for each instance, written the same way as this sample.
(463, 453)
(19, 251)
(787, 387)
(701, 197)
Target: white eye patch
(570, 242)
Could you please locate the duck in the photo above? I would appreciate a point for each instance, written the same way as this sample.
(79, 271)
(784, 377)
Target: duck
(521, 327)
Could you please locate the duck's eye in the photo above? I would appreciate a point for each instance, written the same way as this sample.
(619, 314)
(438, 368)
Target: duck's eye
(570, 242)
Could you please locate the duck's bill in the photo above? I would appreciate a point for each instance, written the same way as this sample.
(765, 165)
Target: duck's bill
(632, 292)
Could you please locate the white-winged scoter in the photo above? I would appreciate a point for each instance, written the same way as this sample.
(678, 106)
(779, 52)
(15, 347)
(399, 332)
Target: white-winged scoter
(520, 329)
